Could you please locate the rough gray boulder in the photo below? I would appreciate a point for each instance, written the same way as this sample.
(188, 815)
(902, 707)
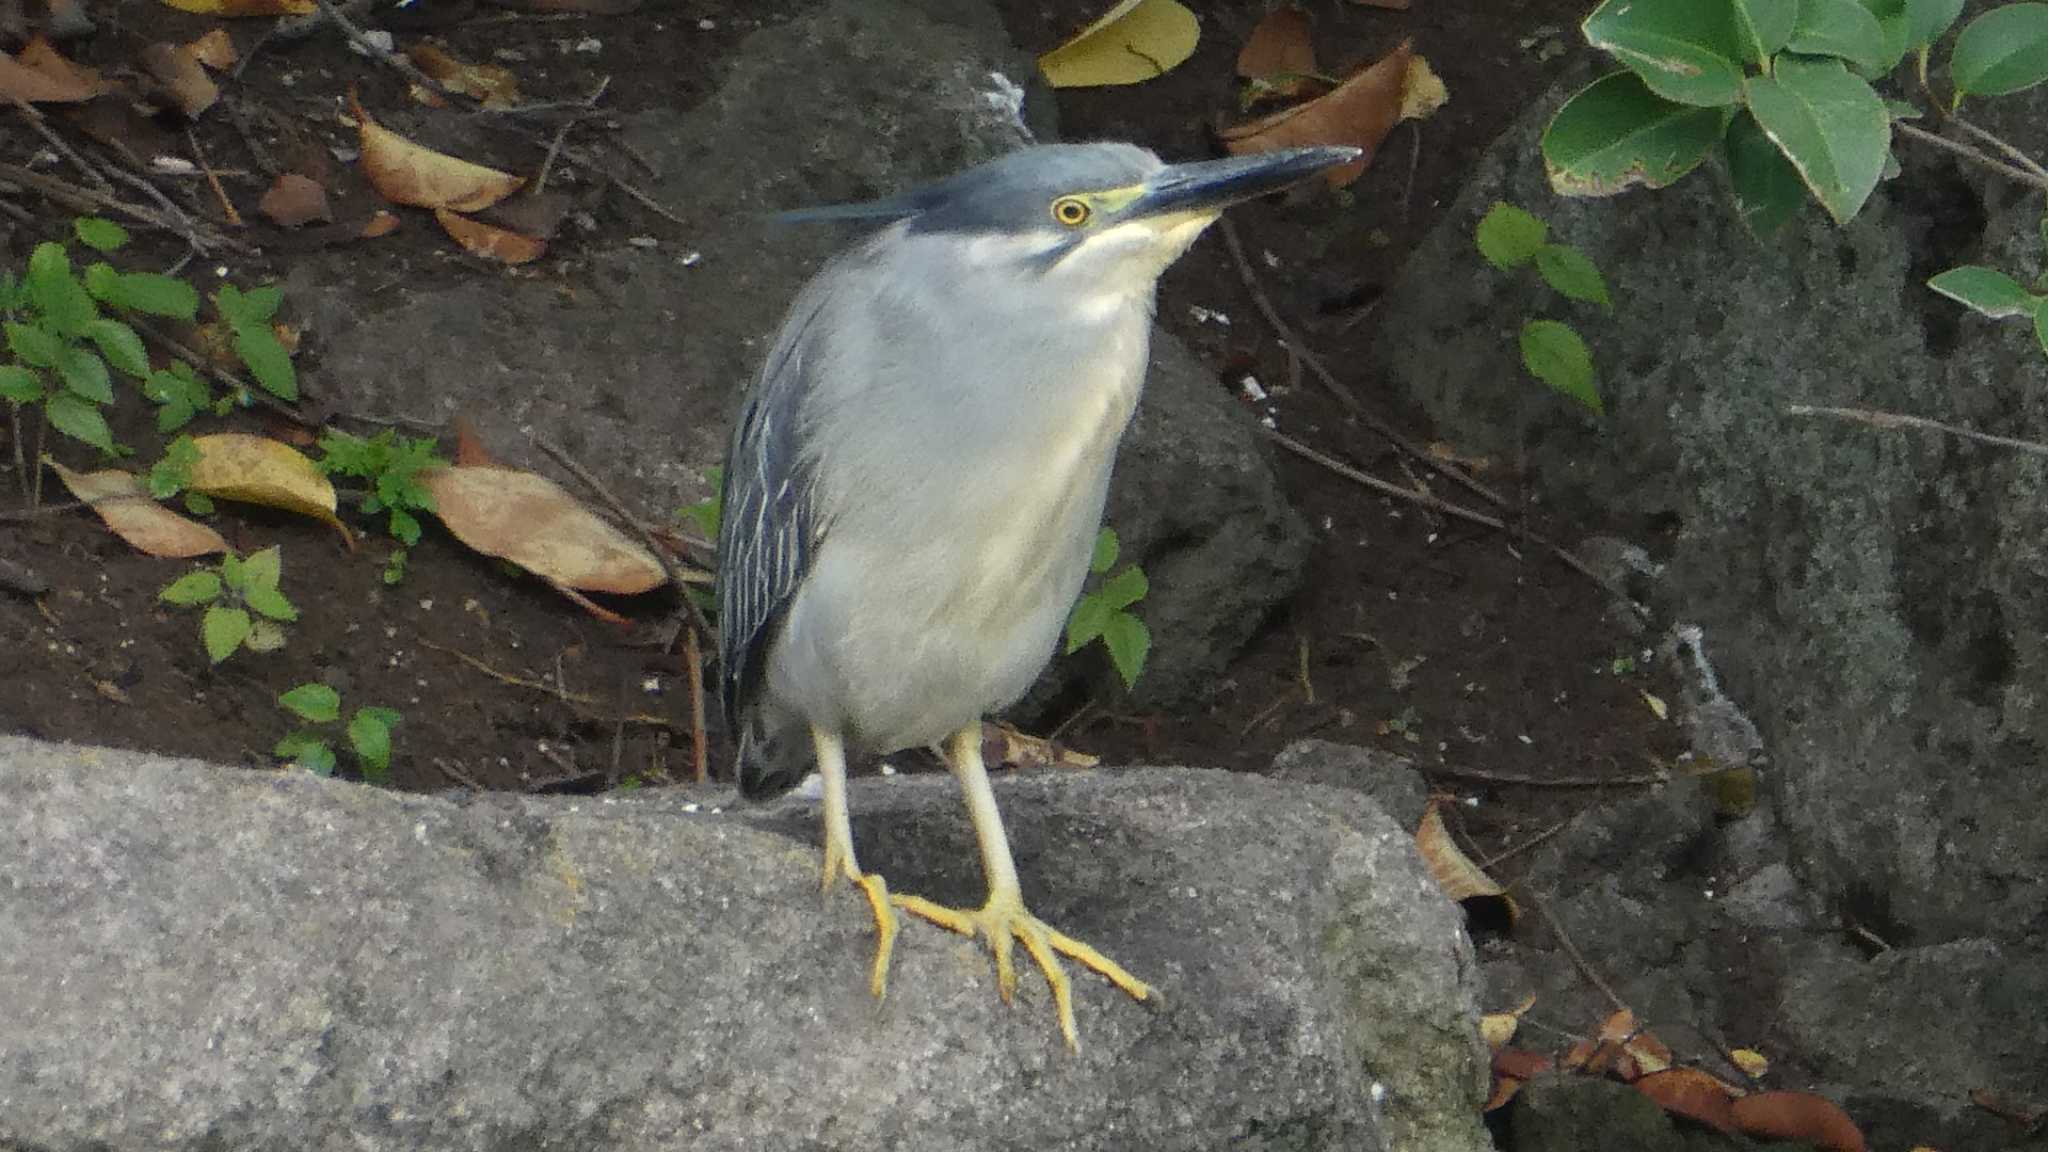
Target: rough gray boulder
(202, 958)
(1874, 598)
(637, 370)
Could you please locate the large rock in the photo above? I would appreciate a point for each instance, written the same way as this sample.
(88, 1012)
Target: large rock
(1874, 598)
(209, 958)
(638, 369)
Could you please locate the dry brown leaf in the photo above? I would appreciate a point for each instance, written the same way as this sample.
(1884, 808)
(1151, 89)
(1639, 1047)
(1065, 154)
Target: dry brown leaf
(182, 76)
(238, 8)
(529, 520)
(294, 200)
(1802, 1116)
(1279, 46)
(123, 501)
(1647, 1055)
(491, 84)
(1521, 1063)
(469, 445)
(1007, 747)
(381, 224)
(258, 470)
(407, 173)
(1504, 1090)
(1455, 872)
(489, 240)
(1693, 1094)
(216, 50)
(39, 74)
(1359, 112)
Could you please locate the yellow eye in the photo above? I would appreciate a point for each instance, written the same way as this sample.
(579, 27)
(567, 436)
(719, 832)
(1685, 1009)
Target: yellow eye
(1071, 211)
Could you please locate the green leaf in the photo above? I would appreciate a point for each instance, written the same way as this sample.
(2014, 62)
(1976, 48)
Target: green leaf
(2003, 51)
(1927, 20)
(1768, 191)
(85, 373)
(1125, 588)
(1103, 558)
(1763, 27)
(1555, 355)
(1616, 133)
(389, 717)
(1841, 28)
(1984, 290)
(265, 635)
(62, 301)
(149, 293)
(369, 733)
(313, 703)
(2041, 324)
(1685, 50)
(223, 631)
(201, 587)
(1891, 23)
(1903, 110)
(1830, 125)
(1129, 642)
(173, 471)
(405, 527)
(256, 306)
(307, 751)
(199, 503)
(394, 568)
(18, 385)
(81, 421)
(99, 234)
(1571, 273)
(120, 345)
(33, 346)
(232, 572)
(1090, 614)
(267, 360)
(269, 603)
(1508, 236)
(262, 569)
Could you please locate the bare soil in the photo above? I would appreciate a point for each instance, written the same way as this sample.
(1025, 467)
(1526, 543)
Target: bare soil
(1478, 656)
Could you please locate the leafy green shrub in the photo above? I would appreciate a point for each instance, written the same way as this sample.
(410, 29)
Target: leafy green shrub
(1103, 613)
(391, 465)
(1510, 238)
(368, 733)
(244, 609)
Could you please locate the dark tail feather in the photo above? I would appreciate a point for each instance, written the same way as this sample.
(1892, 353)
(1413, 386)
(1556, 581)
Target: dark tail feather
(774, 755)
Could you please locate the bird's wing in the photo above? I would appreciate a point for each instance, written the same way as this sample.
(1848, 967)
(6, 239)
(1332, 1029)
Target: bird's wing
(767, 530)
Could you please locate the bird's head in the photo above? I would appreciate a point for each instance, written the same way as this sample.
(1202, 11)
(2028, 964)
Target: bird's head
(1105, 217)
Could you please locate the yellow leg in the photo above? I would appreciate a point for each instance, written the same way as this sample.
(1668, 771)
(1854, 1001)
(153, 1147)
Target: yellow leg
(1004, 918)
(839, 858)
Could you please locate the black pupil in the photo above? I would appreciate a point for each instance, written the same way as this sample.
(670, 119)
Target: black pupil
(1072, 212)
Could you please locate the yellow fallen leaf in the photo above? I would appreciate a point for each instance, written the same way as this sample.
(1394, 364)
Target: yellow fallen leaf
(1497, 1028)
(1752, 1063)
(407, 173)
(1423, 91)
(121, 499)
(216, 50)
(1657, 706)
(1455, 873)
(245, 7)
(1131, 43)
(529, 520)
(258, 470)
(489, 240)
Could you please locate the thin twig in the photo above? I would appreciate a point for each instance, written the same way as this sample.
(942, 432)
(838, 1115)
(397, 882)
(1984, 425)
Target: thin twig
(1578, 958)
(456, 774)
(676, 573)
(1524, 846)
(42, 510)
(1961, 149)
(228, 379)
(1521, 781)
(547, 164)
(1330, 381)
(2014, 154)
(42, 126)
(648, 202)
(363, 43)
(1881, 419)
(1458, 511)
(227, 206)
(693, 659)
(81, 199)
(517, 681)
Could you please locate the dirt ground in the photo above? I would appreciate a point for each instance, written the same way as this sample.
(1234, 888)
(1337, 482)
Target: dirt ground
(1482, 659)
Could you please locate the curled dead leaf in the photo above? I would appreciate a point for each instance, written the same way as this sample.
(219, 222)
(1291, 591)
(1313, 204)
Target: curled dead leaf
(1802, 1116)
(529, 520)
(216, 50)
(294, 200)
(258, 470)
(407, 173)
(1504, 1090)
(1007, 747)
(491, 84)
(1134, 41)
(123, 501)
(381, 224)
(1521, 1063)
(1693, 1094)
(489, 240)
(1455, 873)
(182, 77)
(1359, 112)
(1279, 55)
(39, 74)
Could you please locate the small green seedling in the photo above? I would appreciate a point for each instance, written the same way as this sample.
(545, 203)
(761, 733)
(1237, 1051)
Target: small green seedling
(172, 474)
(368, 732)
(1552, 350)
(244, 609)
(1104, 612)
(392, 466)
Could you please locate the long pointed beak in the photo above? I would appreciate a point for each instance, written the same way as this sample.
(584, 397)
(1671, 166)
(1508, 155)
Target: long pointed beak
(1213, 185)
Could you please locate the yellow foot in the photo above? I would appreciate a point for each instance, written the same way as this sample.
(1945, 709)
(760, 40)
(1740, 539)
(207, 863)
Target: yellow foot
(840, 863)
(1003, 919)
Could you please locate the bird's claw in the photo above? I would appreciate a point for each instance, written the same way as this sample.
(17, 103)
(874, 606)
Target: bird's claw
(839, 862)
(1004, 920)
